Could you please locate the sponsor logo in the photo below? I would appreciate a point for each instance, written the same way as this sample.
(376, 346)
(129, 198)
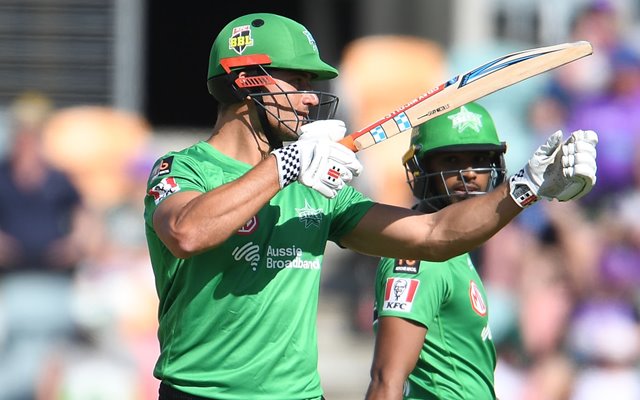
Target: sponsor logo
(249, 252)
(333, 173)
(477, 302)
(406, 266)
(311, 217)
(399, 294)
(275, 258)
(486, 333)
(249, 227)
(289, 257)
(311, 40)
(240, 39)
(163, 168)
(163, 189)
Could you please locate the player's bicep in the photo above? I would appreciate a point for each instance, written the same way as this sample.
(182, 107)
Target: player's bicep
(397, 347)
(390, 231)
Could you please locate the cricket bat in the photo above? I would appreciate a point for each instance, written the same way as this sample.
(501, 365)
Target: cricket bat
(464, 88)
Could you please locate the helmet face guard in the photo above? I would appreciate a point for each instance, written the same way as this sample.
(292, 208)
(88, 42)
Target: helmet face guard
(424, 183)
(290, 118)
(250, 83)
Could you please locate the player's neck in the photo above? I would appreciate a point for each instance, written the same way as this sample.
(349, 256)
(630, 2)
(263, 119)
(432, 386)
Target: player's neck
(235, 137)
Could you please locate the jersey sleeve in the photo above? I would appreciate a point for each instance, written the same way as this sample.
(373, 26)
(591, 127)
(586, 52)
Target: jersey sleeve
(411, 289)
(175, 173)
(349, 208)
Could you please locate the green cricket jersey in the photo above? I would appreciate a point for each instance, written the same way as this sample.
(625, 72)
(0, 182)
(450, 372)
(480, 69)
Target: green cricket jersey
(239, 321)
(458, 358)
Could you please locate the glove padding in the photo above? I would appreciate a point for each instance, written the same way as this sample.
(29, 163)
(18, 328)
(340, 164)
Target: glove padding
(316, 159)
(562, 171)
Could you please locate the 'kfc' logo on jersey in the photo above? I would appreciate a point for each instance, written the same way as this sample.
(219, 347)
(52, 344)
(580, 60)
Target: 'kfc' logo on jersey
(163, 189)
(477, 302)
(399, 294)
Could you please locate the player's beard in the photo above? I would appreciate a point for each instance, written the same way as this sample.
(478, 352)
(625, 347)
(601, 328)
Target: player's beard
(283, 119)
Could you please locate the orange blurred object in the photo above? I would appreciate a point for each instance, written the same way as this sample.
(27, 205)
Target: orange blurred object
(96, 146)
(378, 74)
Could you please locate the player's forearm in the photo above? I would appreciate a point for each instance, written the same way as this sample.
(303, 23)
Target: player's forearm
(208, 220)
(381, 388)
(464, 226)
(382, 391)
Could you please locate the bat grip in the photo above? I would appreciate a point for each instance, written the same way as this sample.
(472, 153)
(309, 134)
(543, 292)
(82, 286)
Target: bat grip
(348, 142)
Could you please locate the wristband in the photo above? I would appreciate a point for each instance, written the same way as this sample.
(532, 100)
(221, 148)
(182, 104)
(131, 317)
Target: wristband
(288, 160)
(522, 189)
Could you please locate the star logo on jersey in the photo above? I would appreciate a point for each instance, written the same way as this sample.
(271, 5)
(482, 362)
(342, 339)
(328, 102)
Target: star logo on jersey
(465, 119)
(310, 216)
(477, 302)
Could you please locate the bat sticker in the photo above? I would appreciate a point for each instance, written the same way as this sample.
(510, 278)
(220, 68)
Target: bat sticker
(493, 66)
(464, 88)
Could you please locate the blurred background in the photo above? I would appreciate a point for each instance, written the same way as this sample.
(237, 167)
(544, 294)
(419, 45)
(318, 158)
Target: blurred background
(93, 91)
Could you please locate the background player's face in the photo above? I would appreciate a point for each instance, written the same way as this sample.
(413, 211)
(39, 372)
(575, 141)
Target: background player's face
(458, 175)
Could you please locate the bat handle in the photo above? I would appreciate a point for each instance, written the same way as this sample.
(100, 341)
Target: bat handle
(348, 142)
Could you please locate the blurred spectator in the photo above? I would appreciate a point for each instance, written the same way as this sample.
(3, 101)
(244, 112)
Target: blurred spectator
(604, 337)
(43, 236)
(96, 146)
(601, 91)
(115, 347)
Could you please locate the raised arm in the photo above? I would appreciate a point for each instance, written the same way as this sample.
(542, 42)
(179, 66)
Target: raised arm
(191, 222)
(401, 233)
(561, 170)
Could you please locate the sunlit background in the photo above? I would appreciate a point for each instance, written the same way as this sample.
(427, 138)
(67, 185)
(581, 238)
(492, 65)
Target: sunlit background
(99, 89)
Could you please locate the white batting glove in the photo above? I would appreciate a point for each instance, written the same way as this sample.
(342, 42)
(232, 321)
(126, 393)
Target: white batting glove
(562, 171)
(316, 159)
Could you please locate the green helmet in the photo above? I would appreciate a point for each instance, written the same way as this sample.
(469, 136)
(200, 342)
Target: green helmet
(468, 128)
(248, 47)
(288, 44)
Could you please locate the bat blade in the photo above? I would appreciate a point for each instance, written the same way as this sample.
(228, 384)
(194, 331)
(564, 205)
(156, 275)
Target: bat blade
(464, 88)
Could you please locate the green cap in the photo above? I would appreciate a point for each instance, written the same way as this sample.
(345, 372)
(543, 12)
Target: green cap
(288, 44)
(468, 128)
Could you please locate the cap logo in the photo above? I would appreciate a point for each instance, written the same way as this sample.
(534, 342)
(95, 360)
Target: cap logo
(312, 41)
(240, 39)
(466, 119)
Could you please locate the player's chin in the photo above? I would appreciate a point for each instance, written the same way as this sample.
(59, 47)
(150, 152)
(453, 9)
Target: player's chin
(460, 196)
(288, 130)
